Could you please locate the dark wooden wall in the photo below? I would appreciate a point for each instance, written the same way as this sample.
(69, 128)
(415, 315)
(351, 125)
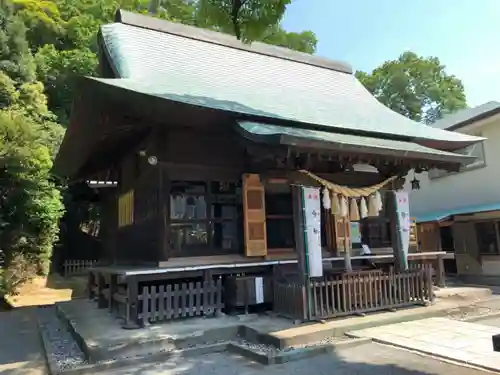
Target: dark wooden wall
(187, 154)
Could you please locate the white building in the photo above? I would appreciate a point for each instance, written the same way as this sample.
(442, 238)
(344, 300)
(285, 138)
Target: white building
(460, 211)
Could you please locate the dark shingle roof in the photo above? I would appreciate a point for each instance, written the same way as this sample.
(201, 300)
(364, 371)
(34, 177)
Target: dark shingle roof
(467, 116)
(160, 58)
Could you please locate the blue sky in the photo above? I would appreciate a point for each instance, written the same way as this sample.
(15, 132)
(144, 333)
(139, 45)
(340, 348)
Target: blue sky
(464, 34)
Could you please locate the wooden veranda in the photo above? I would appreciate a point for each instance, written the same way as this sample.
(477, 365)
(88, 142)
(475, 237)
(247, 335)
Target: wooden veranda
(130, 294)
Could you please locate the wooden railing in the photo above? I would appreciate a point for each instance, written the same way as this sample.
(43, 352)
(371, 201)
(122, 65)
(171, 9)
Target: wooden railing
(166, 302)
(74, 267)
(288, 300)
(353, 293)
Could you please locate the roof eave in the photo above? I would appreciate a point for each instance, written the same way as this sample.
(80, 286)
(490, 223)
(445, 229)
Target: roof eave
(366, 149)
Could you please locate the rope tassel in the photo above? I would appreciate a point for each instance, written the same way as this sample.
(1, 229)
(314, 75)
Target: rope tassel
(335, 201)
(354, 212)
(372, 206)
(343, 207)
(363, 209)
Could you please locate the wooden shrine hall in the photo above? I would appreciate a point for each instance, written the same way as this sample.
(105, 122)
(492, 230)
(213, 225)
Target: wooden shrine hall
(205, 140)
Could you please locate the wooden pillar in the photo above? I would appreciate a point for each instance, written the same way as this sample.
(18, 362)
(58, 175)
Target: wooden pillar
(440, 274)
(101, 285)
(112, 290)
(347, 245)
(300, 248)
(397, 246)
(164, 196)
(430, 290)
(132, 315)
(90, 285)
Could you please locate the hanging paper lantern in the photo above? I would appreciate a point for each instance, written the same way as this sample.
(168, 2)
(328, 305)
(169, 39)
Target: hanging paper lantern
(378, 198)
(363, 209)
(343, 207)
(353, 211)
(335, 203)
(372, 206)
(327, 204)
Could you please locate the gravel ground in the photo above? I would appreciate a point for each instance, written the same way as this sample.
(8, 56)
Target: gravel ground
(66, 353)
(476, 309)
(61, 346)
(368, 359)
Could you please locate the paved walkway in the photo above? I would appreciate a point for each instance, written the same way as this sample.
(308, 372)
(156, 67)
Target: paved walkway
(21, 351)
(469, 343)
(368, 359)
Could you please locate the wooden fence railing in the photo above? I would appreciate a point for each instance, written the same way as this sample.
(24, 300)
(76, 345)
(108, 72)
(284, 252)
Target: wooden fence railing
(166, 302)
(352, 294)
(74, 267)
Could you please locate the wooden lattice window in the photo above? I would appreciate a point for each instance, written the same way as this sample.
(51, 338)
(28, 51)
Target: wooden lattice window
(205, 217)
(254, 208)
(488, 237)
(126, 209)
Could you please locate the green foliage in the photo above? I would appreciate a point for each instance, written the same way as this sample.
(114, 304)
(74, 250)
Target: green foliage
(416, 87)
(30, 203)
(59, 69)
(304, 42)
(21, 269)
(16, 60)
(42, 20)
(248, 20)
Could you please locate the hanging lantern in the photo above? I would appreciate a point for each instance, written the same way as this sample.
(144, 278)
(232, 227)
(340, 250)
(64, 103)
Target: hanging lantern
(327, 204)
(353, 210)
(363, 209)
(343, 207)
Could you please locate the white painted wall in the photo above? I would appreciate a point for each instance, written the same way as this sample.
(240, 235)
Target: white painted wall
(467, 188)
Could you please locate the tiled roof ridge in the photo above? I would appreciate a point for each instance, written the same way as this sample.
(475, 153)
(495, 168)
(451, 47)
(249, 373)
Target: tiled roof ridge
(209, 36)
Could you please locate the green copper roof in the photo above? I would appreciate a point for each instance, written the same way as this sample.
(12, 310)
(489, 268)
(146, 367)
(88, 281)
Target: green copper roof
(175, 64)
(345, 142)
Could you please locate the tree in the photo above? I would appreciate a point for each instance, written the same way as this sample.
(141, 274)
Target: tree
(248, 20)
(304, 42)
(42, 20)
(59, 69)
(30, 204)
(16, 60)
(416, 87)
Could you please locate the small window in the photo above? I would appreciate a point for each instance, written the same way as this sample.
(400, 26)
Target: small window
(487, 237)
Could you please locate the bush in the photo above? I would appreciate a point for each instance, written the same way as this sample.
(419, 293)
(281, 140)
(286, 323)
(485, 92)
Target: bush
(30, 203)
(20, 270)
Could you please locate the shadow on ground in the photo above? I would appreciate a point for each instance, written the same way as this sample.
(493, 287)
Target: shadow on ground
(21, 350)
(368, 359)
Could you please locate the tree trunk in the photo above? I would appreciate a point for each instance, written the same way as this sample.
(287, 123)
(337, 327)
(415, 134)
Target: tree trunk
(237, 4)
